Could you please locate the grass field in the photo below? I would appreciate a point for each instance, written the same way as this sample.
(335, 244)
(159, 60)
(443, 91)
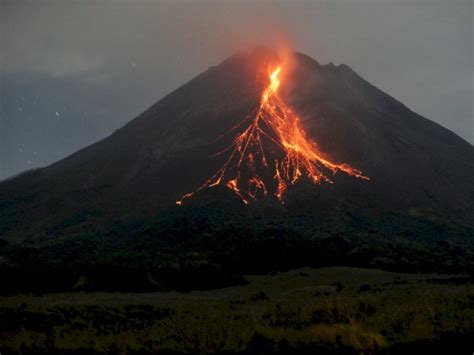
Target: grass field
(326, 310)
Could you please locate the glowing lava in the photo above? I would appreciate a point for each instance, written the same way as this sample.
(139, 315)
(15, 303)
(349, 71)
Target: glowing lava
(272, 129)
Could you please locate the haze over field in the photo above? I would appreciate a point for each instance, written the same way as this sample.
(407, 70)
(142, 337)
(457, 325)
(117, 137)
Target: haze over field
(71, 73)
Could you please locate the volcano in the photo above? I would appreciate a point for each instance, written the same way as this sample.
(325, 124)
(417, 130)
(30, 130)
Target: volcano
(300, 138)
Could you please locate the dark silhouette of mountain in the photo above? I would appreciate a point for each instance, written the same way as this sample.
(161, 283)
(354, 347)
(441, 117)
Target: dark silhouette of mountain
(416, 167)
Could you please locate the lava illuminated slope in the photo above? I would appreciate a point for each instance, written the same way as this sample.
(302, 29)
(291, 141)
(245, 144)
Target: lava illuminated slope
(272, 152)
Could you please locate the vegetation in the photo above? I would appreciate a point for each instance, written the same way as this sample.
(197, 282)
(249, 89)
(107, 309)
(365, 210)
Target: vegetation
(179, 283)
(203, 248)
(325, 310)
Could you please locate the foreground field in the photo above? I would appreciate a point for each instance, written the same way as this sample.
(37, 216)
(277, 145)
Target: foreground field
(325, 310)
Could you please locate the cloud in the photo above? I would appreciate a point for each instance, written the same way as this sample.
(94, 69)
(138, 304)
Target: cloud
(74, 38)
(45, 39)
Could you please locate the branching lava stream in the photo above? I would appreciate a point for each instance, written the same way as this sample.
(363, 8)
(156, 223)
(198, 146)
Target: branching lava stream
(274, 142)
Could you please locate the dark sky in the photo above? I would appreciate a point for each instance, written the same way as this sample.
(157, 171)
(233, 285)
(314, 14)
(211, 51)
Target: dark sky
(73, 72)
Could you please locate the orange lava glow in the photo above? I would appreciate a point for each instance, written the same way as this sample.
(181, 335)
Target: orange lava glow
(272, 130)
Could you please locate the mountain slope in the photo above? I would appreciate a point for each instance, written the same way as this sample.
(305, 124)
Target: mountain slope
(416, 167)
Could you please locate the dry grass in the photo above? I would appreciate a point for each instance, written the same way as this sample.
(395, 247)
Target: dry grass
(357, 310)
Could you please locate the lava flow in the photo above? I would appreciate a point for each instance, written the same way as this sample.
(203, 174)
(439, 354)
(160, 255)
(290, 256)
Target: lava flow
(271, 153)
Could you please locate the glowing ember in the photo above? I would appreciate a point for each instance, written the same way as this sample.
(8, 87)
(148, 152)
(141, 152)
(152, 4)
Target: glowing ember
(273, 129)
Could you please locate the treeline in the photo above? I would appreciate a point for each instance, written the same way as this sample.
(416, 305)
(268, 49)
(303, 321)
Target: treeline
(205, 248)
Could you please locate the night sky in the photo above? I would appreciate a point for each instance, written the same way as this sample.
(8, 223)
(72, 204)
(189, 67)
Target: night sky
(73, 72)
